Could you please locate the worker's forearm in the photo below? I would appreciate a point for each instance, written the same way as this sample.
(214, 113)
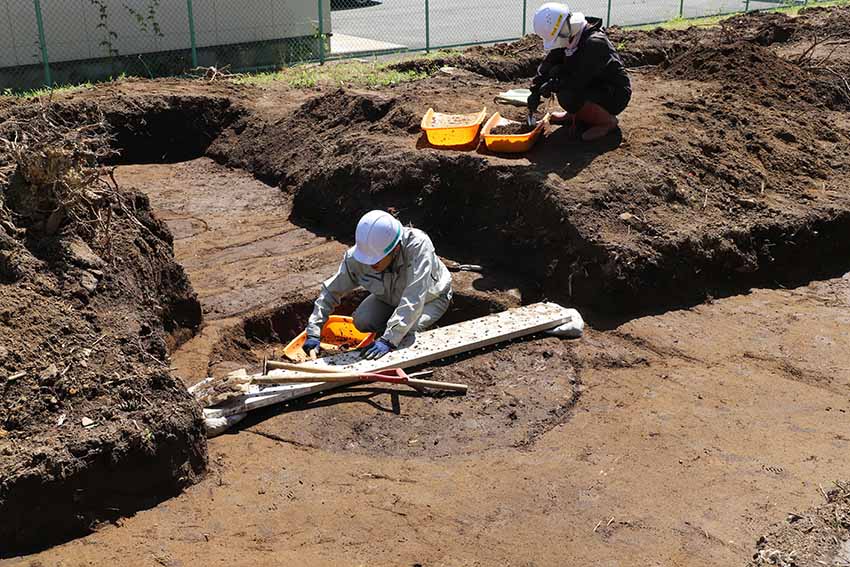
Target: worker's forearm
(322, 309)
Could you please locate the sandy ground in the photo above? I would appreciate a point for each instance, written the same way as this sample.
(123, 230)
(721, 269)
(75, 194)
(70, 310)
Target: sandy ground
(694, 430)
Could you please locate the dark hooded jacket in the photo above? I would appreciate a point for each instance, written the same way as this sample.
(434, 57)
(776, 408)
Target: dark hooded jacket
(595, 63)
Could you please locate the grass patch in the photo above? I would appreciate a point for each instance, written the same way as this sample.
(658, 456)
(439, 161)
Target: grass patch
(707, 21)
(45, 91)
(342, 73)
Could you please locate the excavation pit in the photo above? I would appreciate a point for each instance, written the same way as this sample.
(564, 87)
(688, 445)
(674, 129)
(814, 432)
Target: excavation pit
(517, 391)
(722, 180)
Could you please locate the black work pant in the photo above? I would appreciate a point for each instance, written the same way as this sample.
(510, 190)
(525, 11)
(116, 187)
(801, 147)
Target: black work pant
(612, 98)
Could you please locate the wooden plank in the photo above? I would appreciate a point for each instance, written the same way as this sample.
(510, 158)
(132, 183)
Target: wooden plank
(428, 346)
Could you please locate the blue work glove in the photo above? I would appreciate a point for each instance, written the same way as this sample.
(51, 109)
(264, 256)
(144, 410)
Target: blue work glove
(311, 344)
(378, 349)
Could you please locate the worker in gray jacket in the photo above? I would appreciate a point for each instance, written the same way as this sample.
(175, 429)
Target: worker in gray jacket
(410, 287)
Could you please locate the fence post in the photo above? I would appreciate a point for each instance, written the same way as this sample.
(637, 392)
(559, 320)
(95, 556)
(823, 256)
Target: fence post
(48, 81)
(192, 33)
(427, 27)
(681, 8)
(321, 32)
(746, 5)
(608, 19)
(524, 15)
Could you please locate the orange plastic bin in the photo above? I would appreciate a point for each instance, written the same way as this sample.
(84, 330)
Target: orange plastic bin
(338, 334)
(451, 130)
(510, 143)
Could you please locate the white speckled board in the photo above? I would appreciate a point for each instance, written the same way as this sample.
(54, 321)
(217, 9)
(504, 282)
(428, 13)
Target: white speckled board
(425, 347)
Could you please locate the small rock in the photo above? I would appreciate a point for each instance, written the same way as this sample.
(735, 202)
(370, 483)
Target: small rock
(626, 217)
(50, 373)
(88, 281)
(87, 422)
(82, 255)
(61, 419)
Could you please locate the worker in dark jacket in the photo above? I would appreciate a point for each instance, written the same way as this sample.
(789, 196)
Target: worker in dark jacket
(582, 68)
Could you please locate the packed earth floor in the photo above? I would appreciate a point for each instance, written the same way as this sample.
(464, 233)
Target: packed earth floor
(153, 233)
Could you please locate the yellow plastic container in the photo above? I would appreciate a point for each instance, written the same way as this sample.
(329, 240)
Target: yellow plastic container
(510, 143)
(338, 334)
(448, 130)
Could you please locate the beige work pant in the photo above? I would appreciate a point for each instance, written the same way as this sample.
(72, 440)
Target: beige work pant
(372, 315)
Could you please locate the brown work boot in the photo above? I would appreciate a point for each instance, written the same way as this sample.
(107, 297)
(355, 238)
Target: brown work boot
(601, 121)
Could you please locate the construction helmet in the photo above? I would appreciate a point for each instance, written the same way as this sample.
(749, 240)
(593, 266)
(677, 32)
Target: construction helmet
(549, 21)
(377, 234)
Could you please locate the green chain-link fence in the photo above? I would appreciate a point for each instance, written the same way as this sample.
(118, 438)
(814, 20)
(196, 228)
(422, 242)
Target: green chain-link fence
(50, 42)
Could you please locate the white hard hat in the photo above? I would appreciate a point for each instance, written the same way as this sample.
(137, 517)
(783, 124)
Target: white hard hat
(549, 20)
(377, 234)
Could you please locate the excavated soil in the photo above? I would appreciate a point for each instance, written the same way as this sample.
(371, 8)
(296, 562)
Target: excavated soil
(820, 536)
(729, 172)
(94, 424)
(512, 129)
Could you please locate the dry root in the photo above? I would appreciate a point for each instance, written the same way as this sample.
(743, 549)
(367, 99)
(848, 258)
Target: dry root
(809, 59)
(60, 176)
(213, 74)
(216, 390)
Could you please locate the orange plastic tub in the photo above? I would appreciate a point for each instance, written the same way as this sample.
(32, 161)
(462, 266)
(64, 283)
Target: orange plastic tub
(447, 130)
(338, 334)
(510, 143)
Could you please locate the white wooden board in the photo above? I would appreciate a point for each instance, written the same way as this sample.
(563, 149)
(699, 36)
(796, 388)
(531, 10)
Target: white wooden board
(425, 347)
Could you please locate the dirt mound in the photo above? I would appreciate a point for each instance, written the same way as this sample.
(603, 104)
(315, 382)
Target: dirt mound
(502, 61)
(740, 63)
(773, 79)
(93, 424)
(815, 537)
(762, 28)
(819, 21)
(319, 129)
(661, 46)
(652, 47)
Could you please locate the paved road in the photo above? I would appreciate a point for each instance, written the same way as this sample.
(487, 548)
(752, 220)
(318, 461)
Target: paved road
(463, 21)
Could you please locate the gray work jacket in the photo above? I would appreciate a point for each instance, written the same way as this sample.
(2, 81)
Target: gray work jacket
(415, 277)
